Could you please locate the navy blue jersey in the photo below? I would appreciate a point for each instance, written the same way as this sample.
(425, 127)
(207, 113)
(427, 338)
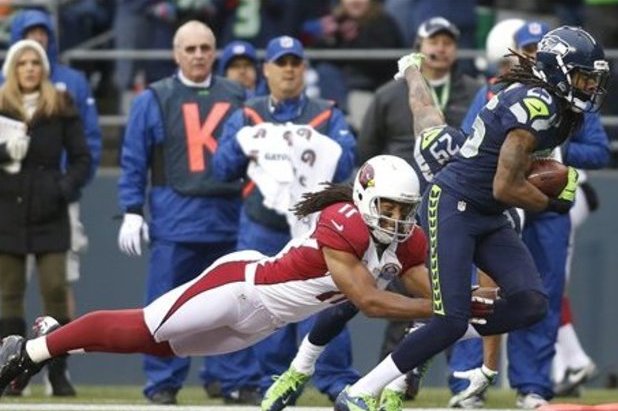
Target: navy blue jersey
(471, 172)
(433, 148)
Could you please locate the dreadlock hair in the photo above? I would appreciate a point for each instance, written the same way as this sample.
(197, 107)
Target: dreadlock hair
(317, 201)
(523, 73)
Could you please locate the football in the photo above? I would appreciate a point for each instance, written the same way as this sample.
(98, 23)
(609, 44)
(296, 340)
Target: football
(549, 176)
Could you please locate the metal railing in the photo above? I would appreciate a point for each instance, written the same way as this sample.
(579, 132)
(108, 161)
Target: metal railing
(74, 55)
(316, 54)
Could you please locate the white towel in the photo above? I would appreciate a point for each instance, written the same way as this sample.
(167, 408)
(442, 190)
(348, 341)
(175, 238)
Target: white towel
(288, 161)
(271, 168)
(315, 158)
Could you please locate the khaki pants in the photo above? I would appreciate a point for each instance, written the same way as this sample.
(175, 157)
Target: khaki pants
(51, 269)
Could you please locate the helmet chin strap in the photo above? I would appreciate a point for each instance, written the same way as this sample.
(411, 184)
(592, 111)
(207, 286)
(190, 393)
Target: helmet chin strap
(381, 236)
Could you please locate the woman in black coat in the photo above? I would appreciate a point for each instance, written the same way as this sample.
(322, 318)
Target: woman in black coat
(38, 127)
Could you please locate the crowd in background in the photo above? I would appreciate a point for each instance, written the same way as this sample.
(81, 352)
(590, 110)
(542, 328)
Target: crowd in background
(321, 24)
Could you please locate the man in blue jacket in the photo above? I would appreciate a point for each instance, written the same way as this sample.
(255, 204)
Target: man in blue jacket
(531, 350)
(264, 229)
(37, 25)
(171, 134)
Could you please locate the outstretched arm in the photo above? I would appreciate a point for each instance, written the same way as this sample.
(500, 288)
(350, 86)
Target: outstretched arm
(424, 111)
(356, 283)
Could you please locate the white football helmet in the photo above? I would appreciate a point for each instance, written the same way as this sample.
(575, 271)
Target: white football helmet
(387, 177)
(499, 40)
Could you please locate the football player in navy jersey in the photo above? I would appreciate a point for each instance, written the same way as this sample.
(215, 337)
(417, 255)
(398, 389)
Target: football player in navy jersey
(363, 237)
(435, 144)
(462, 210)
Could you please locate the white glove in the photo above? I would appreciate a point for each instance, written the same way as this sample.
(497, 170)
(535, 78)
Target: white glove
(132, 231)
(409, 60)
(17, 146)
(480, 379)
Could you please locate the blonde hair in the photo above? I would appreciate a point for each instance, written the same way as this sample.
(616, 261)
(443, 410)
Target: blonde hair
(11, 96)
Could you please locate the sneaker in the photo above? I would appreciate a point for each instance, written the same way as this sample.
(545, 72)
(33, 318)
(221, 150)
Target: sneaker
(345, 402)
(165, 396)
(391, 400)
(285, 390)
(14, 360)
(574, 378)
(474, 402)
(530, 401)
(213, 389)
(42, 326)
(243, 395)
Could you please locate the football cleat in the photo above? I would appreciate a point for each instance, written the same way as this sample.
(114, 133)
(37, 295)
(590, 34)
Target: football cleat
(14, 360)
(345, 402)
(391, 400)
(42, 326)
(285, 390)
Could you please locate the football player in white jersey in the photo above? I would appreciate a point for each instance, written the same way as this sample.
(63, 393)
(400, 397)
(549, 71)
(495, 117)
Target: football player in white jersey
(362, 238)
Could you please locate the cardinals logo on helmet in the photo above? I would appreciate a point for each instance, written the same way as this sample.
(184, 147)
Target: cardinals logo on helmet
(366, 176)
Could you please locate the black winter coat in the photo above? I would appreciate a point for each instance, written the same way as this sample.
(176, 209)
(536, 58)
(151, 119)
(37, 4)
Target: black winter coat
(33, 202)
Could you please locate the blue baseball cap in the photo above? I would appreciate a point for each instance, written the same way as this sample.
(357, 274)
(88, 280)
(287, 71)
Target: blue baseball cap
(237, 49)
(282, 46)
(530, 33)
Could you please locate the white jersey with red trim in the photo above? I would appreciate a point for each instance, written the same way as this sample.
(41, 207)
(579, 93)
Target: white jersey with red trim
(296, 283)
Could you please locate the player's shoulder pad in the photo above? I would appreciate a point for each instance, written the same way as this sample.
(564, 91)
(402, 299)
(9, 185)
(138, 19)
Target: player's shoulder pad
(532, 106)
(430, 134)
(341, 227)
(413, 251)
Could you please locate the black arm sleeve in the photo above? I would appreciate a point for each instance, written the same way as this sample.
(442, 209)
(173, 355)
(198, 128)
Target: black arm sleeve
(330, 322)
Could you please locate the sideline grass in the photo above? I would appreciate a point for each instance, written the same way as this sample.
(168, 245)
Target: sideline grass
(428, 398)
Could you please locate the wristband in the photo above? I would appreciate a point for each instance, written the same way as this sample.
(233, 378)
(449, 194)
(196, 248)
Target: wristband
(559, 206)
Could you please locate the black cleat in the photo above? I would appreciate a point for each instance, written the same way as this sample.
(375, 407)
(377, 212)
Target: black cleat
(42, 326)
(14, 360)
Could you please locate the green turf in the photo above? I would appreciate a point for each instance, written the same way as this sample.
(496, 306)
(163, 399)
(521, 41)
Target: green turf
(429, 397)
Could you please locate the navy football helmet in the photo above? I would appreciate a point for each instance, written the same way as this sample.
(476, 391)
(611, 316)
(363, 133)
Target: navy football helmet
(571, 59)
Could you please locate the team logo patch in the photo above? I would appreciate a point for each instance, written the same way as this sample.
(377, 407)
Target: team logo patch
(239, 49)
(286, 42)
(536, 107)
(390, 271)
(429, 135)
(366, 176)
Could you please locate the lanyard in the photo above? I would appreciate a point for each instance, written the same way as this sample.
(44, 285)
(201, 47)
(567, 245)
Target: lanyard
(444, 95)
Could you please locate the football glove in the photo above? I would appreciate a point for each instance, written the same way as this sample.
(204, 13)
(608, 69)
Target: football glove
(409, 60)
(133, 230)
(564, 202)
(480, 379)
